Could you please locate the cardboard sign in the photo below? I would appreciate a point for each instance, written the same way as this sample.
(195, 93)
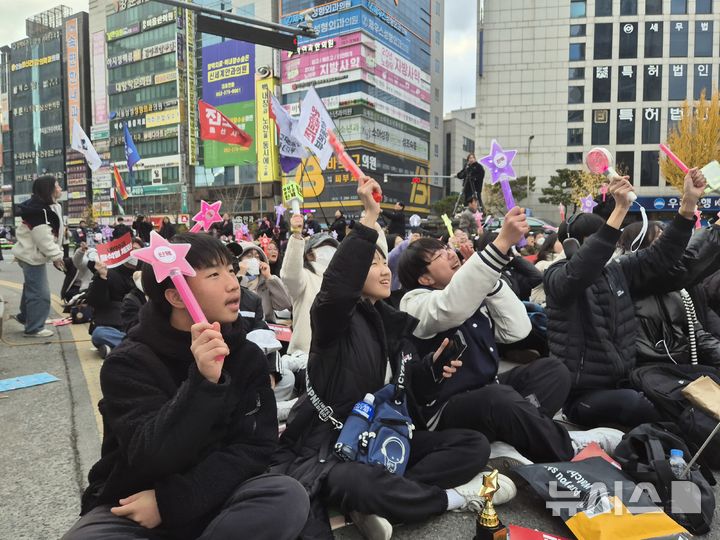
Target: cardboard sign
(116, 252)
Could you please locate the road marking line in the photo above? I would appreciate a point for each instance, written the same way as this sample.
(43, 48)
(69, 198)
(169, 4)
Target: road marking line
(89, 360)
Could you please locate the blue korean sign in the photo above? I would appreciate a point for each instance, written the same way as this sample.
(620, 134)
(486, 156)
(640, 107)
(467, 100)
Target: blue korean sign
(709, 204)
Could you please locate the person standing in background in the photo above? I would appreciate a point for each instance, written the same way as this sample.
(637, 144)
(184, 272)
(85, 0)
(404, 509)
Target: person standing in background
(472, 176)
(39, 241)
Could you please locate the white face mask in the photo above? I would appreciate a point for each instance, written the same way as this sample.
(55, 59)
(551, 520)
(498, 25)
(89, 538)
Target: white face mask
(253, 266)
(540, 241)
(132, 261)
(324, 254)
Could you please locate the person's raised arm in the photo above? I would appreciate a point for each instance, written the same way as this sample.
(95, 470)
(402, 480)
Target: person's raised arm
(292, 271)
(346, 274)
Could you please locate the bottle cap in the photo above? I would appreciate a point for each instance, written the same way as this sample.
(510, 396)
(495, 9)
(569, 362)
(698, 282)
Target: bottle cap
(369, 398)
(675, 452)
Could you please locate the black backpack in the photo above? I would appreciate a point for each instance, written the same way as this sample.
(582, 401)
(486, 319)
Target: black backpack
(663, 385)
(643, 453)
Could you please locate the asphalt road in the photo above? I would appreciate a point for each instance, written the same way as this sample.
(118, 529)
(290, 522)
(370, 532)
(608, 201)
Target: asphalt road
(50, 437)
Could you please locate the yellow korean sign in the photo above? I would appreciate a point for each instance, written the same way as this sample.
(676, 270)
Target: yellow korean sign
(162, 118)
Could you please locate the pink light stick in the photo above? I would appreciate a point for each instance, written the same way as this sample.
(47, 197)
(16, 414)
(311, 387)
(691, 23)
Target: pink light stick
(698, 215)
(600, 161)
(348, 162)
(604, 190)
(208, 214)
(169, 260)
(676, 160)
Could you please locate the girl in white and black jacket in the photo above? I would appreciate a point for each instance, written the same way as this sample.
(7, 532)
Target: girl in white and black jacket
(39, 241)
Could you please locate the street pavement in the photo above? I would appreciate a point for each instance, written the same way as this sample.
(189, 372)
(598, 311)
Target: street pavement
(50, 437)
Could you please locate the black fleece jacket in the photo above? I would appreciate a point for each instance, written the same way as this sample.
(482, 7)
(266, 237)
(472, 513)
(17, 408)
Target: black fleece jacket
(169, 429)
(105, 296)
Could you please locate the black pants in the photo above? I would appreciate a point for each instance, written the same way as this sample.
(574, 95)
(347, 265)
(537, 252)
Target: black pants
(267, 507)
(518, 410)
(438, 461)
(472, 189)
(623, 407)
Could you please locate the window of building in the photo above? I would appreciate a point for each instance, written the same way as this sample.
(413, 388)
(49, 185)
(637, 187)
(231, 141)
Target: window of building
(703, 6)
(653, 39)
(649, 168)
(437, 7)
(577, 30)
(603, 41)
(576, 73)
(437, 123)
(703, 80)
(678, 7)
(625, 126)
(577, 8)
(703, 38)
(651, 125)
(577, 52)
(675, 114)
(652, 83)
(576, 116)
(628, 7)
(625, 163)
(437, 66)
(603, 8)
(628, 40)
(627, 83)
(574, 158)
(576, 94)
(575, 136)
(436, 151)
(472, 116)
(600, 127)
(677, 87)
(679, 38)
(437, 37)
(601, 84)
(653, 7)
(437, 94)
(468, 145)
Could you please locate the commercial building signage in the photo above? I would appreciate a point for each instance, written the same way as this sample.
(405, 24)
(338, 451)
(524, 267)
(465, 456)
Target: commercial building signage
(122, 5)
(100, 109)
(118, 33)
(265, 132)
(35, 62)
(395, 140)
(162, 118)
(168, 76)
(158, 20)
(709, 204)
(325, 62)
(228, 72)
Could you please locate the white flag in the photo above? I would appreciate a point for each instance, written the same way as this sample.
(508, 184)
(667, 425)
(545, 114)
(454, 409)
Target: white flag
(288, 145)
(82, 144)
(312, 127)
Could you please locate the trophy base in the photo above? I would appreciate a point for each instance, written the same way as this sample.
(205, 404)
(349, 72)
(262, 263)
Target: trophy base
(490, 533)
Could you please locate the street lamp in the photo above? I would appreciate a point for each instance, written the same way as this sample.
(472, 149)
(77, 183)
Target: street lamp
(530, 138)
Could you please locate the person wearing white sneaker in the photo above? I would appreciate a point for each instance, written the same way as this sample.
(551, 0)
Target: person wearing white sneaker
(470, 300)
(465, 498)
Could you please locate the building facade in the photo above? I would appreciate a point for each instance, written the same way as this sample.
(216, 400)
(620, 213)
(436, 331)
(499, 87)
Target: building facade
(573, 74)
(44, 79)
(458, 142)
(377, 65)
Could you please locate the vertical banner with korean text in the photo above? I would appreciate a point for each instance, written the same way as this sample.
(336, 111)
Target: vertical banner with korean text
(265, 132)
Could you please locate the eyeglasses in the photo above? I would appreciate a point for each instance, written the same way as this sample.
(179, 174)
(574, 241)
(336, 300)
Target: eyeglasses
(445, 251)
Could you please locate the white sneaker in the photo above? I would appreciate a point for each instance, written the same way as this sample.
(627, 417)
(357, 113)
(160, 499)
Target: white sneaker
(607, 438)
(41, 333)
(505, 457)
(474, 503)
(372, 526)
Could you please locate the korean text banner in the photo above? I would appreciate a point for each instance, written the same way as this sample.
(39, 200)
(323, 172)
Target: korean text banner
(228, 72)
(116, 252)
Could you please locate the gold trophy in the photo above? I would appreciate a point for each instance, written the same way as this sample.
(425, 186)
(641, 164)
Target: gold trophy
(488, 525)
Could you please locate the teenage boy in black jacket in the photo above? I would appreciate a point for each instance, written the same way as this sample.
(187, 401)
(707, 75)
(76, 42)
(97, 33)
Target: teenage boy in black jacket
(187, 437)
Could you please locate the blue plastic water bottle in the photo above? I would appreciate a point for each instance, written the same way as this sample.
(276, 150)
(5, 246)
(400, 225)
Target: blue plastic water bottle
(356, 424)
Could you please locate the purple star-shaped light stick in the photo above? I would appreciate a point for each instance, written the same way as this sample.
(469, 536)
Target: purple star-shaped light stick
(499, 163)
(279, 210)
(311, 232)
(107, 232)
(587, 204)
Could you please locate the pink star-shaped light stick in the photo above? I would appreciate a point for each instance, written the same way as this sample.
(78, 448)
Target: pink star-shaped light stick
(169, 260)
(280, 211)
(499, 163)
(208, 214)
(587, 204)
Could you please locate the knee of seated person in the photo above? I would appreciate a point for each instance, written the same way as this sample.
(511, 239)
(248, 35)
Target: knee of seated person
(555, 369)
(500, 395)
(292, 498)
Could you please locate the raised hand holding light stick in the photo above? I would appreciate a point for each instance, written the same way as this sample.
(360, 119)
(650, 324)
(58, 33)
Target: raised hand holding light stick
(169, 260)
(348, 162)
(600, 161)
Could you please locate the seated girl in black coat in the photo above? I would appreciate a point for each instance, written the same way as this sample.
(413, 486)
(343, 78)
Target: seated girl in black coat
(358, 343)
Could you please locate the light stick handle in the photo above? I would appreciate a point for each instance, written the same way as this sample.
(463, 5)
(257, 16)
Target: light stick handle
(196, 228)
(510, 203)
(676, 160)
(348, 162)
(610, 171)
(295, 204)
(189, 300)
(187, 296)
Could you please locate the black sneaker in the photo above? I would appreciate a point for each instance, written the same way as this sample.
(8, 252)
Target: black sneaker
(104, 350)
